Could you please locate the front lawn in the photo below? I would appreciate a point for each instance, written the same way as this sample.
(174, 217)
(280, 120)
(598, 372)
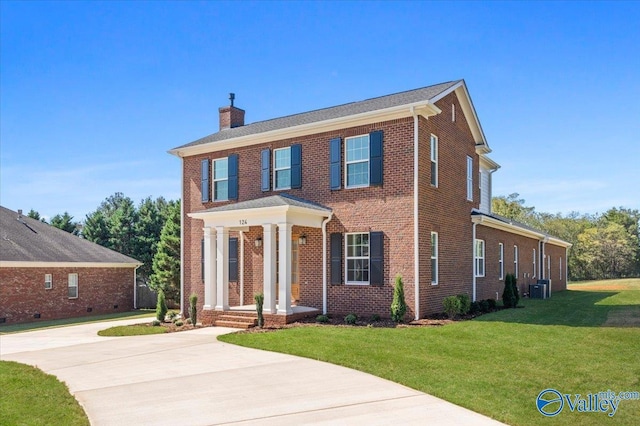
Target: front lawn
(132, 330)
(17, 328)
(30, 397)
(499, 363)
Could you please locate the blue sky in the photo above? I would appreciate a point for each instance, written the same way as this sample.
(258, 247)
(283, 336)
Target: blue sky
(94, 94)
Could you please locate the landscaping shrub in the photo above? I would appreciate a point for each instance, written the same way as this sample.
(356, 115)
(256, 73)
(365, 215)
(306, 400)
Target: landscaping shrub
(451, 306)
(188, 320)
(172, 315)
(375, 318)
(484, 306)
(351, 319)
(193, 310)
(161, 306)
(475, 308)
(508, 296)
(516, 293)
(322, 319)
(492, 304)
(179, 323)
(259, 299)
(398, 305)
(465, 303)
(155, 323)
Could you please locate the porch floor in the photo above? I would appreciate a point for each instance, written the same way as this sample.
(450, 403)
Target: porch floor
(252, 308)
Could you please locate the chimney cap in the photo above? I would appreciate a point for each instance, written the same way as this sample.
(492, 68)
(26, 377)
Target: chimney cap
(232, 96)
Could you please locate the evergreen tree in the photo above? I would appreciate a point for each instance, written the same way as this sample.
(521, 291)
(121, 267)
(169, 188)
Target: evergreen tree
(166, 262)
(147, 231)
(96, 229)
(35, 215)
(398, 305)
(121, 225)
(65, 222)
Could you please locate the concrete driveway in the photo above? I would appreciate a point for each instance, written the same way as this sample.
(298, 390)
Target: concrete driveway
(190, 378)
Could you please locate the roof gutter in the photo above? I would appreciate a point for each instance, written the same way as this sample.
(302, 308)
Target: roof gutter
(515, 229)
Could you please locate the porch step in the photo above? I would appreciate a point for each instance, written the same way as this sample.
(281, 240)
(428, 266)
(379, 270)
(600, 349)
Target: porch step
(236, 321)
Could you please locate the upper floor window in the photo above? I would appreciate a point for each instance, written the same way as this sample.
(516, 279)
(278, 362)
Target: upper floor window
(282, 168)
(221, 179)
(48, 281)
(357, 161)
(469, 178)
(479, 258)
(434, 258)
(73, 286)
(357, 259)
(453, 112)
(434, 160)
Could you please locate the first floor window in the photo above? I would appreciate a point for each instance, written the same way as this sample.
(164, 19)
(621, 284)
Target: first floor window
(282, 168)
(48, 281)
(515, 261)
(73, 286)
(501, 261)
(561, 268)
(357, 161)
(548, 267)
(534, 263)
(434, 258)
(221, 179)
(357, 258)
(479, 258)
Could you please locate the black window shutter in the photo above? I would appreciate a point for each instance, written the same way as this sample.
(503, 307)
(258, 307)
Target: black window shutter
(335, 171)
(233, 176)
(376, 259)
(233, 259)
(375, 158)
(296, 166)
(204, 180)
(336, 258)
(202, 258)
(266, 169)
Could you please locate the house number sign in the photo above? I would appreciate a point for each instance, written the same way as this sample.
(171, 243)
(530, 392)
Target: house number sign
(243, 222)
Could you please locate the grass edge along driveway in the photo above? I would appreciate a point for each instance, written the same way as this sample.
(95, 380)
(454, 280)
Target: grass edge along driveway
(496, 364)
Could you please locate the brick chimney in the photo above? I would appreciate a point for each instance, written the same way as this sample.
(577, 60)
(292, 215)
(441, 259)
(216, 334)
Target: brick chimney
(230, 116)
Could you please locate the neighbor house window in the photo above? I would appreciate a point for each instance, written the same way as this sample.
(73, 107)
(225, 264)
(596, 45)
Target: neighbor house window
(501, 261)
(434, 160)
(221, 179)
(515, 260)
(479, 258)
(469, 178)
(357, 161)
(73, 286)
(357, 263)
(282, 168)
(434, 258)
(48, 281)
(534, 263)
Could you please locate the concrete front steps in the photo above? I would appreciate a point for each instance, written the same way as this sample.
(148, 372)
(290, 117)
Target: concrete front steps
(242, 320)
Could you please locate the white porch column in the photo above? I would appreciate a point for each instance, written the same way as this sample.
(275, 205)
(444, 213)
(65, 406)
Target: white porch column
(284, 298)
(222, 268)
(209, 269)
(269, 267)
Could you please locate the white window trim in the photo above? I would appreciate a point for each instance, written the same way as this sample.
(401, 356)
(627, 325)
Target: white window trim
(534, 263)
(275, 181)
(477, 259)
(453, 113)
(433, 153)
(347, 258)
(214, 180)
(346, 164)
(72, 286)
(48, 281)
(501, 261)
(469, 178)
(434, 256)
(515, 260)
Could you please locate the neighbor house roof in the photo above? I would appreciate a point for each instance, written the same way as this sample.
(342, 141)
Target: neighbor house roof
(24, 240)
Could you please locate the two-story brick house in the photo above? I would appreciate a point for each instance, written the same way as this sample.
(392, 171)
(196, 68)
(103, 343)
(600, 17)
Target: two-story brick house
(348, 197)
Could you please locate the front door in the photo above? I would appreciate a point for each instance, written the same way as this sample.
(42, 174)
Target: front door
(295, 276)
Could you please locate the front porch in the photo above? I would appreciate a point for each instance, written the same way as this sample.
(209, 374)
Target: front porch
(247, 317)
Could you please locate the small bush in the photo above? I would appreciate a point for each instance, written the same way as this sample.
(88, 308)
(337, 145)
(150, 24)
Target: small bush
(475, 307)
(179, 323)
(259, 299)
(508, 296)
(516, 293)
(398, 306)
(155, 323)
(322, 319)
(465, 303)
(451, 306)
(492, 304)
(188, 320)
(161, 307)
(351, 319)
(375, 318)
(172, 315)
(193, 308)
(484, 306)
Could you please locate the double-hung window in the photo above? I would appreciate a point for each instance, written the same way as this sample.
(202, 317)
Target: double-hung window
(221, 179)
(357, 259)
(534, 263)
(501, 261)
(469, 178)
(479, 258)
(357, 161)
(434, 258)
(48, 281)
(282, 168)
(434, 160)
(73, 286)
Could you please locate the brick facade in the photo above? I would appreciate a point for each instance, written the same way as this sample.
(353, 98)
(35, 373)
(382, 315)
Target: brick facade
(100, 291)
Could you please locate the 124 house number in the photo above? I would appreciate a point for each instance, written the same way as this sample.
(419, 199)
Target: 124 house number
(243, 221)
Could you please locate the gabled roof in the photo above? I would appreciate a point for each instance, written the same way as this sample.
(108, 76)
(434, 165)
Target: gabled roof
(24, 240)
(270, 201)
(317, 118)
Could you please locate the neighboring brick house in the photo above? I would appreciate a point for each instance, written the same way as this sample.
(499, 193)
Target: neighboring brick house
(47, 273)
(348, 197)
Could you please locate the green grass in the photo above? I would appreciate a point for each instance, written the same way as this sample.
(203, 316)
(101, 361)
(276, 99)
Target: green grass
(132, 330)
(30, 397)
(497, 364)
(17, 328)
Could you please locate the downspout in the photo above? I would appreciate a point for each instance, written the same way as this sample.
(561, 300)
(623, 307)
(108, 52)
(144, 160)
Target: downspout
(241, 272)
(135, 287)
(324, 263)
(182, 236)
(473, 258)
(416, 234)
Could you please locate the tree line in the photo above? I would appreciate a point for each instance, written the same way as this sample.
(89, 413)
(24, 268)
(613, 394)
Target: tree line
(148, 232)
(605, 245)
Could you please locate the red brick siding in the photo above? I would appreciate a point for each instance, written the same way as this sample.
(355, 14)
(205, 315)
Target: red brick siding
(22, 293)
